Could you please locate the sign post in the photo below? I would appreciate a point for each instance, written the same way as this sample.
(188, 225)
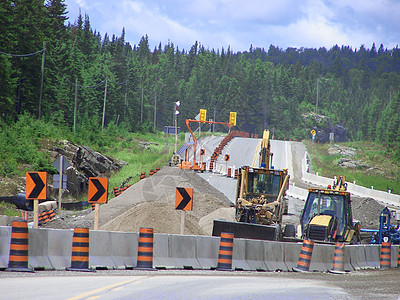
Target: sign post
(36, 189)
(61, 164)
(98, 192)
(183, 201)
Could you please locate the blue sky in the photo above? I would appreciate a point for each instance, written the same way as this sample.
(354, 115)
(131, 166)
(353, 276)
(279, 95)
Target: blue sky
(239, 24)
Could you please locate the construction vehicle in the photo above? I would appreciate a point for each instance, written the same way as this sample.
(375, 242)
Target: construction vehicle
(259, 202)
(327, 215)
(387, 232)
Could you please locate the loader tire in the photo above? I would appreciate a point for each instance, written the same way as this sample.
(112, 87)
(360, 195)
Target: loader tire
(289, 231)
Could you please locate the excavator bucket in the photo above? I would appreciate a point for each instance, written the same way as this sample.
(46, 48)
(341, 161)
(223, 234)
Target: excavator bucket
(248, 230)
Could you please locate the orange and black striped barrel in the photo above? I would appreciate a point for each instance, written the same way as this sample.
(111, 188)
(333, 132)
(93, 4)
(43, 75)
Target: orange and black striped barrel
(93, 206)
(145, 249)
(229, 172)
(151, 173)
(211, 165)
(142, 175)
(398, 258)
(236, 173)
(225, 251)
(303, 265)
(19, 247)
(45, 217)
(80, 250)
(41, 217)
(386, 255)
(157, 169)
(51, 214)
(338, 259)
(116, 191)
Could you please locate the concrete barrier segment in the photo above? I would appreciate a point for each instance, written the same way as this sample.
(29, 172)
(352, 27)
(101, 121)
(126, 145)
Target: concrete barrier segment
(161, 252)
(207, 251)
(322, 257)
(372, 254)
(255, 255)
(38, 249)
(358, 259)
(239, 255)
(394, 255)
(124, 248)
(183, 251)
(59, 247)
(100, 249)
(5, 238)
(291, 254)
(274, 256)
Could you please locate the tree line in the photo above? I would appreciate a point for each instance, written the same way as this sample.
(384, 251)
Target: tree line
(136, 87)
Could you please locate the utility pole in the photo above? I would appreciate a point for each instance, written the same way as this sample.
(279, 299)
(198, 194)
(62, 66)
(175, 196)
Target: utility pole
(141, 108)
(316, 103)
(76, 103)
(41, 82)
(104, 105)
(155, 111)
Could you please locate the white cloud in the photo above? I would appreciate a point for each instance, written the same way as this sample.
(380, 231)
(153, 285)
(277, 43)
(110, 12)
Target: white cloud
(220, 23)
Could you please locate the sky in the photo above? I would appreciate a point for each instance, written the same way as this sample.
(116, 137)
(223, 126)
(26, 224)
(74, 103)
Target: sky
(217, 24)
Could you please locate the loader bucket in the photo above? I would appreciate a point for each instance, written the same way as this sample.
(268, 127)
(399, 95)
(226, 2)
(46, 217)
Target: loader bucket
(248, 230)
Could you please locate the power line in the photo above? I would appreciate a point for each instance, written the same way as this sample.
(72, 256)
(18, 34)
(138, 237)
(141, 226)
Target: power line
(23, 55)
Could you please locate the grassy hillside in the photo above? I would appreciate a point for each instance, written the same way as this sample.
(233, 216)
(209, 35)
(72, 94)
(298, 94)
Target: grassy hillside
(383, 172)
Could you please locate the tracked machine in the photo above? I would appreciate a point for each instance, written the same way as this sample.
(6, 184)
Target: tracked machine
(327, 215)
(259, 203)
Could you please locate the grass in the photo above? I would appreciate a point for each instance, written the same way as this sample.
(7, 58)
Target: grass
(9, 210)
(382, 174)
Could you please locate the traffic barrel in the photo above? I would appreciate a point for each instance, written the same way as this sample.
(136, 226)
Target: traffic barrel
(80, 250)
(145, 249)
(19, 247)
(386, 254)
(211, 166)
(151, 173)
(116, 191)
(236, 173)
(229, 172)
(338, 259)
(398, 258)
(51, 214)
(225, 252)
(303, 265)
(142, 175)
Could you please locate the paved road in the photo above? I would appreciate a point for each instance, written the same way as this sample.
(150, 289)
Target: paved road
(194, 284)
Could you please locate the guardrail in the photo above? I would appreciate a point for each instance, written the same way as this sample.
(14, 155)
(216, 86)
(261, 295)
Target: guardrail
(50, 249)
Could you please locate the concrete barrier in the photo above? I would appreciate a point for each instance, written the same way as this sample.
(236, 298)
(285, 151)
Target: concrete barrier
(5, 240)
(358, 259)
(255, 255)
(372, 254)
(161, 256)
(183, 251)
(207, 251)
(239, 255)
(100, 249)
(322, 258)
(394, 255)
(274, 256)
(124, 249)
(38, 249)
(59, 247)
(291, 254)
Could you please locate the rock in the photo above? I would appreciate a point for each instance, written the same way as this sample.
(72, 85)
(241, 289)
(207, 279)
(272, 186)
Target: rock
(85, 163)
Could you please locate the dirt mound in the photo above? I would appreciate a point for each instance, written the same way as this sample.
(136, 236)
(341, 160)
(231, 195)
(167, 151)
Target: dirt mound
(367, 211)
(151, 203)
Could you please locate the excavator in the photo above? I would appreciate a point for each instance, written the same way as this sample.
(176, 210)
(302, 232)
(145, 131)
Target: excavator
(327, 215)
(259, 203)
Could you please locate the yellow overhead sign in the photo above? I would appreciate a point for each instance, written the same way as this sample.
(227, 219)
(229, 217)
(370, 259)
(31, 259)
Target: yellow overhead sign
(232, 119)
(203, 115)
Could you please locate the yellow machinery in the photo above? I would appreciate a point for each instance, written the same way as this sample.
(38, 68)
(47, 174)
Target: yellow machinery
(327, 215)
(259, 200)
